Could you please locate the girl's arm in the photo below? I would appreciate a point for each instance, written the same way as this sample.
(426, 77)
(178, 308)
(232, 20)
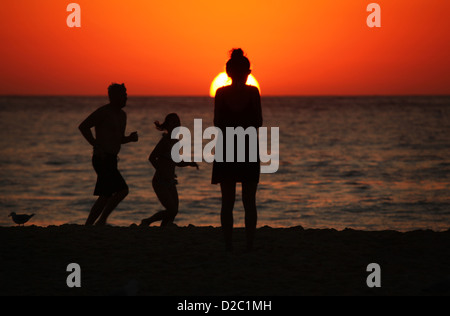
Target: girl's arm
(154, 156)
(186, 164)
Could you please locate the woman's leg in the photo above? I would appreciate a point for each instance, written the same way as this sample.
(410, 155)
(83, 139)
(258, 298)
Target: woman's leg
(168, 197)
(251, 216)
(170, 201)
(154, 218)
(226, 215)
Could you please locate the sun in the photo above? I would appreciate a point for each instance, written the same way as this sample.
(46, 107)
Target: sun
(222, 80)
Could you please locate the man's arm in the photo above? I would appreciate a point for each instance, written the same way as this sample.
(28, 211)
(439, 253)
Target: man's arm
(133, 137)
(85, 127)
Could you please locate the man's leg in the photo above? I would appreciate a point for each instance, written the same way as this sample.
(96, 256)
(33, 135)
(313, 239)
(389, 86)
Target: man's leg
(111, 204)
(96, 210)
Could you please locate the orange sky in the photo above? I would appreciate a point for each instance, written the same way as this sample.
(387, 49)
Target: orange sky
(296, 47)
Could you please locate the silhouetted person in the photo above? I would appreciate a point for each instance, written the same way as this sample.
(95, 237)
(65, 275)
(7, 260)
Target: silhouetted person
(237, 105)
(164, 181)
(110, 123)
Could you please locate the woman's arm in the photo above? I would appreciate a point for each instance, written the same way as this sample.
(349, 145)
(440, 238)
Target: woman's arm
(156, 153)
(258, 109)
(218, 108)
(186, 164)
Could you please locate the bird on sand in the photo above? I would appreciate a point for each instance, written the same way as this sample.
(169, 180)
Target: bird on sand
(20, 219)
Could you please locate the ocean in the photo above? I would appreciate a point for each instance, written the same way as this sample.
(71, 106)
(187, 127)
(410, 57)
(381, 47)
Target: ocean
(369, 163)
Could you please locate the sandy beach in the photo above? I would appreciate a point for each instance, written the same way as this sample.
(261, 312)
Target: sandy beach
(191, 260)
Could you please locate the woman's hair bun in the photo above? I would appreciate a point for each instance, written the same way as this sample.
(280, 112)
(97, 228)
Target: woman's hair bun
(237, 53)
(238, 65)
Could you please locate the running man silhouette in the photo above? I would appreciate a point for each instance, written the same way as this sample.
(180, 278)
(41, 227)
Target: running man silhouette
(110, 123)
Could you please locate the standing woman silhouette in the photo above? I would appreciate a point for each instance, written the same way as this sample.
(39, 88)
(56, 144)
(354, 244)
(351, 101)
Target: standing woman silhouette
(237, 105)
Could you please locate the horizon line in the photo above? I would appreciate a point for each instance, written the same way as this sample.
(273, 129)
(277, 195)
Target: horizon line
(208, 96)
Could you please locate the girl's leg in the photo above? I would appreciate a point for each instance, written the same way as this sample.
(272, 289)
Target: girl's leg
(170, 201)
(156, 217)
(249, 200)
(168, 197)
(226, 215)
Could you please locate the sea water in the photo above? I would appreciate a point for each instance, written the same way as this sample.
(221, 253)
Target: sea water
(371, 163)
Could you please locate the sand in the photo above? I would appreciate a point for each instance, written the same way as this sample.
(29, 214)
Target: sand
(188, 261)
